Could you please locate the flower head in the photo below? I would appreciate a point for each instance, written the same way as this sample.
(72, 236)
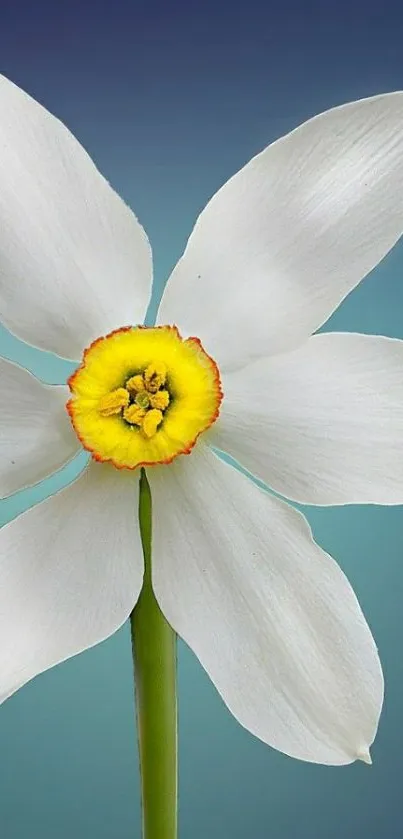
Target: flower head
(319, 418)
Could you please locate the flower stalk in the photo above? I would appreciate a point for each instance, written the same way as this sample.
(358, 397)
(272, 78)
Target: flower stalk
(154, 658)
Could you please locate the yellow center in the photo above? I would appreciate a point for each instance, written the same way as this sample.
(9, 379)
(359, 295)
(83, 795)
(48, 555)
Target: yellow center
(143, 395)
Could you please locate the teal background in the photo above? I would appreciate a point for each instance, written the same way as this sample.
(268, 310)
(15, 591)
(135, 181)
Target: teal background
(170, 100)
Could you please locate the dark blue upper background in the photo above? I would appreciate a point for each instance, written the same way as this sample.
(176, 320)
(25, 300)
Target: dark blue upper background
(176, 96)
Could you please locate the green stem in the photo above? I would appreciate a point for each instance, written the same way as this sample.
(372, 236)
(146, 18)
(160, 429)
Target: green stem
(154, 657)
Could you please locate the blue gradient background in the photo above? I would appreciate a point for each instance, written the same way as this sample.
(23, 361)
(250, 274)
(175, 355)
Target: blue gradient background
(170, 100)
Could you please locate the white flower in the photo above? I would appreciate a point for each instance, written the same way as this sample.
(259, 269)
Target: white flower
(270, 616)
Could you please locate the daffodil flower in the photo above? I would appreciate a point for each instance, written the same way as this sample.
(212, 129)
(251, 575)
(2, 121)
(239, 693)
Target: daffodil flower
(232, 365)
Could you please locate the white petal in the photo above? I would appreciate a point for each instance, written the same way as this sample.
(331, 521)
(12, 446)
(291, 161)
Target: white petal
(36, 436)
(288, 237)
(323, 424)
(74, 262)
(271, 617)
(71, 570)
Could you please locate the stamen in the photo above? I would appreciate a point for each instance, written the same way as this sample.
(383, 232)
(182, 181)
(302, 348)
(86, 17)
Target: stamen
(134, 414)
(135, 384)
(159, 400)
(155, 376)
(112, 403)
(151, 422)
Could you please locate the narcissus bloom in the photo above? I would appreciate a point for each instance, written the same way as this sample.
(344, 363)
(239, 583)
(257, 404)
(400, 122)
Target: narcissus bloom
(232, 364)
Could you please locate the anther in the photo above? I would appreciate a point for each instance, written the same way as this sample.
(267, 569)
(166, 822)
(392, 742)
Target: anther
(135, 384)
(155, 376)
(151, 422)
(112, 403)
(134, 414)
(159, 400)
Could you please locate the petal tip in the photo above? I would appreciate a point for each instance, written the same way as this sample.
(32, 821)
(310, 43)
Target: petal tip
(364, 755)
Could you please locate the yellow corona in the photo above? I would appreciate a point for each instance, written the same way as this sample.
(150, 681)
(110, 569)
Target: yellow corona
(143, 395)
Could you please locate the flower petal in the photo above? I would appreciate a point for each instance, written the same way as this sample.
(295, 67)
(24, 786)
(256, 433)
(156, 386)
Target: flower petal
(289, 236)
(271, 617)
(322, 424)
(36, 436)
(71, 570)
(74, 262)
